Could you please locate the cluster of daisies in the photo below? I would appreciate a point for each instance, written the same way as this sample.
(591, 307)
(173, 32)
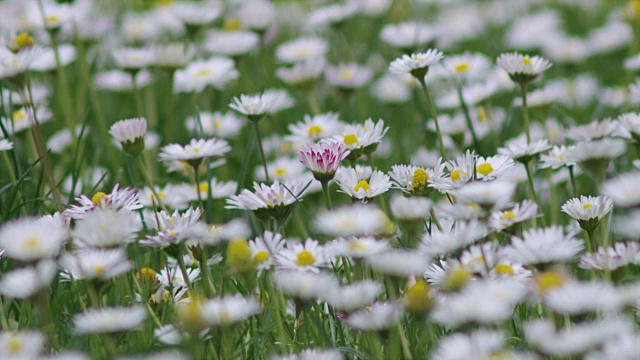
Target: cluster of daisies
(484, 218)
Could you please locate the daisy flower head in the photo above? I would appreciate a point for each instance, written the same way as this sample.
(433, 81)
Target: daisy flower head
(323, 159)
(348, 76)
(411, 179)
(588, 210)
(28, 281)
(624, 189)
(130, 134)
(254, 106)
(228, 310)
(119, 199)
(354, 220)
(198, 75)
(523, 152)
(305, 285)
(310, 256)
(378, 317)
(416, 64)
(362, 189)
(106, 228)
(613, 257)
(172, 57)
(314, 128)
(195, 151)
(109, 320)
(503, 220)
(25, 344)
(89, 264)
(29, 239)
(543, 245)
(270, 200)
(265, 247)
(523, 69)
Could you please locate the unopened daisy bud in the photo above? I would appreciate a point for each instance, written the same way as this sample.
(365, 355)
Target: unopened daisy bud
(548, 280)
(417, 299)
(523, 69)
(22, 41)
(240, 257)
(323, 159)
(457, 279)
(130, 134)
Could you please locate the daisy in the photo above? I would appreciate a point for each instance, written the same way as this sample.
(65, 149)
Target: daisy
(314, 128)
(323, 159)
(269, 201)
(106, 228)
(588, 210)
(348, 76)
(521, 151)
(452, 238)
(228, 310)
(309, 256)
(501, 220)
(379, 317)
(119, 199)
(354, 296)
(25, 344)
(304, 285)
(417, 64)
(523, 69)
(411, 179)
(92, 264)
(624, 189)
(399, 262)
(28, 281)
(254, 106)
(265, 247)
(302, 49)
(30, 239)
(611, 258)
(362, 189)
(109, 320)
(231, 43)
(303, 75)
(407, 35)
(354, 220)
(217, 124)
(357, 247)
(195, 151)
(215, 72)
(173, 56)
(544, 245)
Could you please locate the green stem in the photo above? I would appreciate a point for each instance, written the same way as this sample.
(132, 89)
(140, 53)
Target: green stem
(525, 112)
(325, 191)
(264, 160)
(434, 114)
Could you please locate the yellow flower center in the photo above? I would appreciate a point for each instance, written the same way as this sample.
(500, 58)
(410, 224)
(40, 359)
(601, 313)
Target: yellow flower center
(99, 199)
(362, 184)
(14, 344)
(261, 256)
(314, 130)
(351, 139)
(526, 60)
(460, 68)
(504, 269)
(305, 258)
(549, 280)
(586, 206)
(455, 174)
(232, 24)
(484, 169)
(509, 215)
(32, 243)
(281, 171)
(19, 116)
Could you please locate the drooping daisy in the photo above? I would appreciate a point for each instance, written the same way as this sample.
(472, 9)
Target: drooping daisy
(354, 296)
(314, 128)
(264, 248)
(543, 245)
(613, 257)
(30, 239)
(109, 320)
(228, 310)
(417, 64)
(501, 220)
(269, 201)
(195, 151)
(624, 189)
(25, 282)
(309, 256)
(89, 264)
(355, 220)
(380, 316)
(106, 228)
(523, 69)
(215, 72)
(362, 189)
(588, 210)
(323, 159)
(348, 76)
(119, 199)
(302, 49)
(217, 124)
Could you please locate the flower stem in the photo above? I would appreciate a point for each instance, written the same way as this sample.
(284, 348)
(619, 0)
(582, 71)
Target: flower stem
(264, 160)
(525, 112)
(434, 114)
(325, 191)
